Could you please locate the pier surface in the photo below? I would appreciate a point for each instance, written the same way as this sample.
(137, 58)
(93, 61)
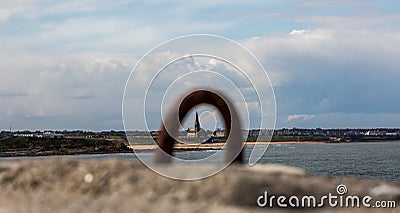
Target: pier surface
(116, 185)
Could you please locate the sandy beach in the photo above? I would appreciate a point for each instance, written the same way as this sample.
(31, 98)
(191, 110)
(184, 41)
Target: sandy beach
(194, 147)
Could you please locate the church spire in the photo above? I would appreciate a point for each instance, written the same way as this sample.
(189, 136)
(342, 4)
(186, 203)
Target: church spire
(197, 126)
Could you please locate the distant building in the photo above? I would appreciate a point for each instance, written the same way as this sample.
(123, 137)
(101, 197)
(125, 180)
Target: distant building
(24, 135)
(197, 126)
(191, 133)
(219, 133)
(52, 135)
(197, 131)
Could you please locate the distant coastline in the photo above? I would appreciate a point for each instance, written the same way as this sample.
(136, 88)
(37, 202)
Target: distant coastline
(33, 146)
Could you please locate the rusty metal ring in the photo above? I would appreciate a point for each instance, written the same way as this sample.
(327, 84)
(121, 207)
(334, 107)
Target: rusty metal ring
(166, 141)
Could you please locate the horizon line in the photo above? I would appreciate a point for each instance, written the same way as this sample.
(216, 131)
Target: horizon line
(116, 130)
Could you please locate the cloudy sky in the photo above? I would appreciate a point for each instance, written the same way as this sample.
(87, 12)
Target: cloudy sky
(64, 64)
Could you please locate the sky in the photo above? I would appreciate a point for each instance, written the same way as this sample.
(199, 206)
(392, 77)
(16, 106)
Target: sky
(332, 64)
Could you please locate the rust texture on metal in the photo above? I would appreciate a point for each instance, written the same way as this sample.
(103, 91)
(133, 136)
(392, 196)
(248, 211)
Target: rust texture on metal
(166, 142)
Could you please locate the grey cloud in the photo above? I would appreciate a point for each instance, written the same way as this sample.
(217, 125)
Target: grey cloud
(344, 120)
(10, 94)
(333, 71)
(343, 63)
(60, 87)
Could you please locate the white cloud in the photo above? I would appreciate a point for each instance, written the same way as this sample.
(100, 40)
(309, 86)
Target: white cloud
(302, 117)
(64, 58)
(8, 8)
(98, 25)
(345, 120)
(322, 106)
(5, 14)
(328, 70)
(298, 32)
(63, 90)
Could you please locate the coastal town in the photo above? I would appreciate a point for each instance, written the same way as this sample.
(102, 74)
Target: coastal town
(332, 135)
(69, 142)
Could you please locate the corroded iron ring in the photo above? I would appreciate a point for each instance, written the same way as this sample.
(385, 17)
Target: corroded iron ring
(169, 128)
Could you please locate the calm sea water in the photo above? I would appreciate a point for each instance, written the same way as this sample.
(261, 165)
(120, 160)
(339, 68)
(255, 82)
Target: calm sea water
(378, 160)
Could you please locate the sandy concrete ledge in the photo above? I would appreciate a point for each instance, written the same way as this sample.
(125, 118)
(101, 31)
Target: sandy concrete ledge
(116, 185)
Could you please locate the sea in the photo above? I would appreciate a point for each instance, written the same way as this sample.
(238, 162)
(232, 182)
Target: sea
(373, 160)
